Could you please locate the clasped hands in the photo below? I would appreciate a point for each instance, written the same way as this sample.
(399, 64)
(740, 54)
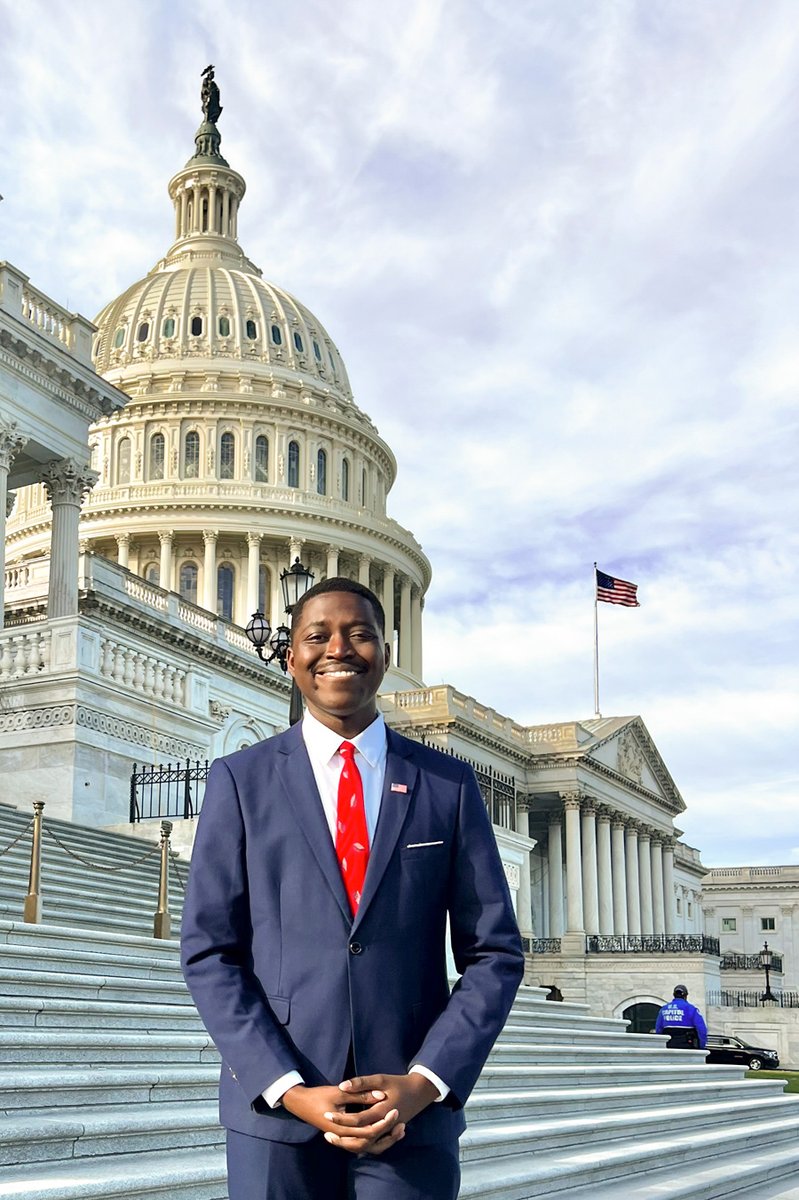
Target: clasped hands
(388, 1103)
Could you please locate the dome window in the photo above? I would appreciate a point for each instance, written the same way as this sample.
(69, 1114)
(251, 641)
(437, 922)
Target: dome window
(277, 337)
(224, 327)
(123, 461)
(143, 332)
(196, 326)
(262, 460)
(227, 456)
(191, 455)
(294, 465)
(330, 356)
(188, 582)
(157, 456)
(225, 579)
(298, 343)
(317, 351)
(321, 472)
(119, 337)
(168, 328)
(251, 329)
(345, 479)
(263, 589)
(152, 573)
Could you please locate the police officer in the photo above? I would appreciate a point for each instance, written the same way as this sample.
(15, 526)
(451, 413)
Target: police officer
(683, 1022)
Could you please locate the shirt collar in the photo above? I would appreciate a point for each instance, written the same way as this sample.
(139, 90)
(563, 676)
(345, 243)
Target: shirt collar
(323, 743)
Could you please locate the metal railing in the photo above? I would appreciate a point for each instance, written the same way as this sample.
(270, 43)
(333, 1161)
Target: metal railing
(748, 962)
(542, 945)
(751, 999)
(651, 943)
(38, 827)
(167, 791)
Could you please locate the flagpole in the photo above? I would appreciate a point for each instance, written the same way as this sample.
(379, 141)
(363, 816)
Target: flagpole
(597, 713)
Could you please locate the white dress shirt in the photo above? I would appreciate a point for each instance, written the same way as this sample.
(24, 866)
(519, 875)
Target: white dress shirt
(323, 745)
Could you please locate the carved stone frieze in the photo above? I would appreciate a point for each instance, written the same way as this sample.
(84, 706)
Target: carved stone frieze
(630, 758)
(218, 711)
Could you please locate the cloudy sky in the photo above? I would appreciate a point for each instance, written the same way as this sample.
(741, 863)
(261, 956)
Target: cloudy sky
(556, 243)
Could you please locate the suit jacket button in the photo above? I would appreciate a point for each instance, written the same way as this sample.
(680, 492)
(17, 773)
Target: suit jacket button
(356, 948)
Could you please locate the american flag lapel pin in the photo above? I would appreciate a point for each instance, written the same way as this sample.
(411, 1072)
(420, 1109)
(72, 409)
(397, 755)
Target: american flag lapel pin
(399, 787)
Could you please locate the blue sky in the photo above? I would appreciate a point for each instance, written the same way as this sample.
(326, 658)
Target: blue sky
(556, 245)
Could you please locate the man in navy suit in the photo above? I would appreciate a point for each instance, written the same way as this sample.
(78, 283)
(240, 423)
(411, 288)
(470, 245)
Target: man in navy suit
(328, 862)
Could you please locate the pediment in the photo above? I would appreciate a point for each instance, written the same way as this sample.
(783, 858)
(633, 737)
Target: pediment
(623, 747)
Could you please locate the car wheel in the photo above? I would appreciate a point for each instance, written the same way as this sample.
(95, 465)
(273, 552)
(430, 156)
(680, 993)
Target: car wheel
(755, 1064)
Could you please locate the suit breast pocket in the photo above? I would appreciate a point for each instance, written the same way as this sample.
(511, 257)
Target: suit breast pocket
(432, 853)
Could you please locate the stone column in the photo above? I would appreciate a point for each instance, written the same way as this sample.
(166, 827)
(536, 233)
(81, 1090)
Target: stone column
(405, 634)
(416, 631)
(123, 548)
(332, 561)
(555, 872)
(253, 568)
(590, 895)
(670, 915)
(295, 550)
(165, 570)
(633, 883)
(66, 483)
(574, 871)
(12, 439)
(619, 876)
(604, 871)
(364, 569)
(645, 881)
(388, 604)
(658, 908)
(209, 569)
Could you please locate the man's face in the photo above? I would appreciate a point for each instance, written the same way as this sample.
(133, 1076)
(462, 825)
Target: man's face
(338, 657)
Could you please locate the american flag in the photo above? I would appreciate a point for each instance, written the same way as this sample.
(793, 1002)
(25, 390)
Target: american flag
(616, 591)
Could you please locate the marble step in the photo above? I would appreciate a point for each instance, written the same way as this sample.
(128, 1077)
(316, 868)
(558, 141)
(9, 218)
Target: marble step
(57, 1087)
(84, 917)
(72, 985)
(586, 1052)
(565, 1035)
(679, 1156)
(56, 1012)
(70, 939)
(176, 1175)
(62, 876)
(14, 820)
(666, 1073)
(73, 1047)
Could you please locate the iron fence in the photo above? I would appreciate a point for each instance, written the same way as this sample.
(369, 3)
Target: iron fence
(167, 790)
(751, 999)
(748, 962)
(497, 789)
(651, 943)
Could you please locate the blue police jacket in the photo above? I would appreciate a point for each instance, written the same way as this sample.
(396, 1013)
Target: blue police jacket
(679, 1014)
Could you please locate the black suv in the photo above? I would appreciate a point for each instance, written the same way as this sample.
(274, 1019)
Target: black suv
(723, 1049)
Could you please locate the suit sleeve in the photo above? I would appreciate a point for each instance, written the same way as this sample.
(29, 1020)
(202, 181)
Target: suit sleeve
(216, 952)
(487, 949)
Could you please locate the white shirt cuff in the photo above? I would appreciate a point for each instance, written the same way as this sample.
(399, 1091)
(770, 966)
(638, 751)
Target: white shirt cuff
(277, 1090)
(418, 1069)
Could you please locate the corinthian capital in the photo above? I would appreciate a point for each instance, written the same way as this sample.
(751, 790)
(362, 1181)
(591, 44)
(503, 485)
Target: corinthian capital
(12, 439)
(68, 482)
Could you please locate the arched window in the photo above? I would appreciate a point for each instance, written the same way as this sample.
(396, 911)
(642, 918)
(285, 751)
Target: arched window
(263, 589)
(152, 573)
(276, 335)
(321, 472)
(363, 486)
(168, 327)
(345, 479)
(251, 330)
(119, 337)
(196, 326)
(298, 342)
(294, 465)
(224, 327)
(317, 351)
(123, 461)
(142, 333)
(157, 456)
(191, 455)
(262, 459)
(224, 591)
(227, 456)
(188, 582)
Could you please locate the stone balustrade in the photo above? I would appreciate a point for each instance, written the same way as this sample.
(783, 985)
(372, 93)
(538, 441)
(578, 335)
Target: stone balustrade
(24, 652)
(145, 674)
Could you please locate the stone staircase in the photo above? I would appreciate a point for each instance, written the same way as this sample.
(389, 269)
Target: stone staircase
(108, 1080)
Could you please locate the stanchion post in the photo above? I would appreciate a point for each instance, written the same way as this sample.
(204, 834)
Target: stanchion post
(32, 912)
(162, 923)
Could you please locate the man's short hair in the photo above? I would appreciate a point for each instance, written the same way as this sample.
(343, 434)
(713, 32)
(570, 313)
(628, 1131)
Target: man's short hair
(339, 584)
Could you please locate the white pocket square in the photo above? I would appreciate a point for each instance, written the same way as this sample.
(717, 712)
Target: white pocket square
(416, 845)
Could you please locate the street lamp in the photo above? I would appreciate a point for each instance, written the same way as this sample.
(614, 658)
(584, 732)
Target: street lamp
(765, 959)
(295, 583)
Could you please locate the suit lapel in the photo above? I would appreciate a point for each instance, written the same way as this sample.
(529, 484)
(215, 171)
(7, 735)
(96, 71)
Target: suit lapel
(401, 772)
(302, 796)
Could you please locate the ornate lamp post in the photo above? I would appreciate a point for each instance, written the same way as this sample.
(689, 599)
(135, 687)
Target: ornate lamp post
(765, 957)
(295, 583)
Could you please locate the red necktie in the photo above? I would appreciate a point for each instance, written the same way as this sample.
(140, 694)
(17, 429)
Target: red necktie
(352, 838)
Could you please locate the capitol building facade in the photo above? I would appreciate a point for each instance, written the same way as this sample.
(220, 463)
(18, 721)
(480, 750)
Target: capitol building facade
(163, 467)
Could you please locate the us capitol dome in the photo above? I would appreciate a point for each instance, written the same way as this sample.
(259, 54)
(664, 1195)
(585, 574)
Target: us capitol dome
(241, 447)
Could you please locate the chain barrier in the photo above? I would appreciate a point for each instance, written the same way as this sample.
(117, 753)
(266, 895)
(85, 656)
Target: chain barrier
(98, 866)
(173, 858)
(18, 838)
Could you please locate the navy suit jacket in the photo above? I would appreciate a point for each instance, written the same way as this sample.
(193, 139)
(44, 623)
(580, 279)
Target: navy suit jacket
(285, 979)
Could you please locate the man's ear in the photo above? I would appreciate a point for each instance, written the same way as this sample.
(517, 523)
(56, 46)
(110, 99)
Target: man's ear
(387, 656)
(290, 661)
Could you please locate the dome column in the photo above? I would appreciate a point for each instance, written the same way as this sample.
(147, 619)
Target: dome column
(253, 570)
(209, 569)
(11, 442)
(66, 484)
(332, 561)
(405, 659)
(388, 605)
(165, 569)
(364, 567)
(123, 549)
(416, 631)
